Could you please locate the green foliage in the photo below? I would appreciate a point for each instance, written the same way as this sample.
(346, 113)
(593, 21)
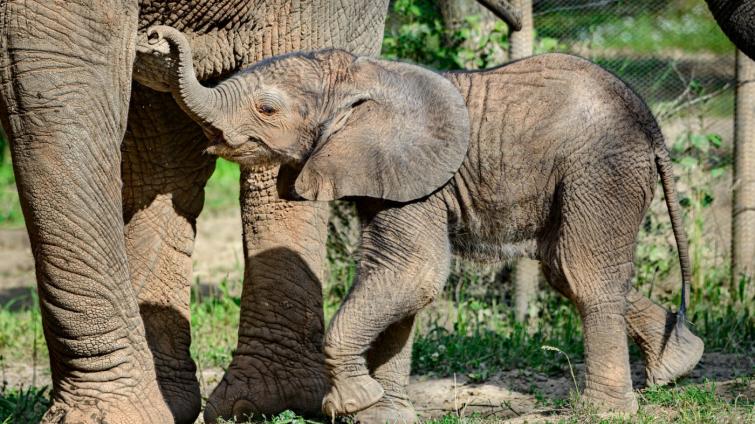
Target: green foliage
(23, 405)
(222, 190)
(692, 30)
(633, 29)
(484, 338)
(21, 339)
(21, 336)
(416, 33)
(10, 208)
(721, 311)
(214, 322)
(285, 417)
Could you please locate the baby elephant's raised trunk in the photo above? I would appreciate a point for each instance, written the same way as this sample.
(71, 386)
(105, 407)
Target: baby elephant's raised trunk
(204, 105)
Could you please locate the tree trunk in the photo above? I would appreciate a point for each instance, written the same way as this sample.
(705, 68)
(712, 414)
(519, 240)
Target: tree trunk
(526, 280)
(743, 211)
(454, 14)
(527, 270)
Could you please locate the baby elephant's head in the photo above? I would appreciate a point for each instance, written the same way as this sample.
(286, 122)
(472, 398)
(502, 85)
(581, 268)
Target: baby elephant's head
(353, 126)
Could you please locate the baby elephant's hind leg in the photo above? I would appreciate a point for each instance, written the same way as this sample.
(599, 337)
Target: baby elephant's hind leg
(405, 259)
(590, 260)
(389, 360)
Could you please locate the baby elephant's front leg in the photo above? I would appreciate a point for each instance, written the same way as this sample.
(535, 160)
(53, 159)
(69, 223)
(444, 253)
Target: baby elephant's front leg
(405, 257)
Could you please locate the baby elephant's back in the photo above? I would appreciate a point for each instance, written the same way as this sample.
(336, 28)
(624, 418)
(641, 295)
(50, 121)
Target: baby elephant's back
(537, 121)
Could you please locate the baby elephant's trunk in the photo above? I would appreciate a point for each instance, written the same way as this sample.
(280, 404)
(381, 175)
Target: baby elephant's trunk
(204, 105)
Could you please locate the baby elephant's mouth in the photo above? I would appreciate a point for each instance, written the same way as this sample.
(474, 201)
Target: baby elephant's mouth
(251, 153)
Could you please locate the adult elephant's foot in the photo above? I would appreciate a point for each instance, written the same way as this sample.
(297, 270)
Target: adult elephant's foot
(180, 388)
(144, 406)
(679, 356)
(351, 394)
(390, 409)
(252, 388)
(670, 350)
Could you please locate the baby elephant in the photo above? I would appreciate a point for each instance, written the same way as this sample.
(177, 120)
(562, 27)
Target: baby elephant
(550, 157)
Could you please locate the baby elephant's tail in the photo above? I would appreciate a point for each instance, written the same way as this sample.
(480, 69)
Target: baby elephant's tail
(666, 172)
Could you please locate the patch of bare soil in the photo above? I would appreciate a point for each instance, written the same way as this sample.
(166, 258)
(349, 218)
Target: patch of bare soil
(16, 265)
(218, 252)
(523, 395)
(512, 396)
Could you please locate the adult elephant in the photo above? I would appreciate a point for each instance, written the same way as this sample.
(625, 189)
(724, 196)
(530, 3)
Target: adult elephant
(737, 19)
(111, 178)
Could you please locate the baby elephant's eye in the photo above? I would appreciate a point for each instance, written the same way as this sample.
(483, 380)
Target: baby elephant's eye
(266, 109)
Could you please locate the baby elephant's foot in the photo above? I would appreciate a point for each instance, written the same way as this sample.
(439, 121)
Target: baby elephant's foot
(388, 410)
(616, 403)
(681, 353)
(350, 395)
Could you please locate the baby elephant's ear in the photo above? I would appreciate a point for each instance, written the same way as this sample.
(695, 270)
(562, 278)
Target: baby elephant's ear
(402, 134)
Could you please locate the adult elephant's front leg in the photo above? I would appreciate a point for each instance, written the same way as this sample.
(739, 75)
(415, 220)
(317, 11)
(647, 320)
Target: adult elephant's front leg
(279, 363)
(65, 77)
(164, 173)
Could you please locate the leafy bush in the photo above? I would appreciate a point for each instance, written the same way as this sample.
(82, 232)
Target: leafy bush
(23, 405)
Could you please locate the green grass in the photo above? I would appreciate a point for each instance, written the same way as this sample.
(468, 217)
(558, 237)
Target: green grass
(485, 338)
(475, 338)
(10, 208)
(21, 338)
(222, 190)
(23, 405)
(214, 321)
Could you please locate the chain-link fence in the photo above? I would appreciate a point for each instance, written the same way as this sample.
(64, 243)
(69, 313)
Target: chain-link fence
(671, 52)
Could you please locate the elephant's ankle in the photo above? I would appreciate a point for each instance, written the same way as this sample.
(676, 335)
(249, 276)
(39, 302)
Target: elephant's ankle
(350, 394)
(604, 399)
(677, 357)
(391, 409)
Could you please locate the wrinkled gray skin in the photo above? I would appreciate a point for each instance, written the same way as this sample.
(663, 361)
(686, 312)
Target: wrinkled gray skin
(550, 157)
(111, 177)
(737, 19)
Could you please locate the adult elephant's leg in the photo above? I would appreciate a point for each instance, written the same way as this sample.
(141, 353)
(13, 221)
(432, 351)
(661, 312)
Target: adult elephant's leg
(389, 361)
(278, 364)
(164, 174)
(670, 350)
(737, 19)
(65, 76)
